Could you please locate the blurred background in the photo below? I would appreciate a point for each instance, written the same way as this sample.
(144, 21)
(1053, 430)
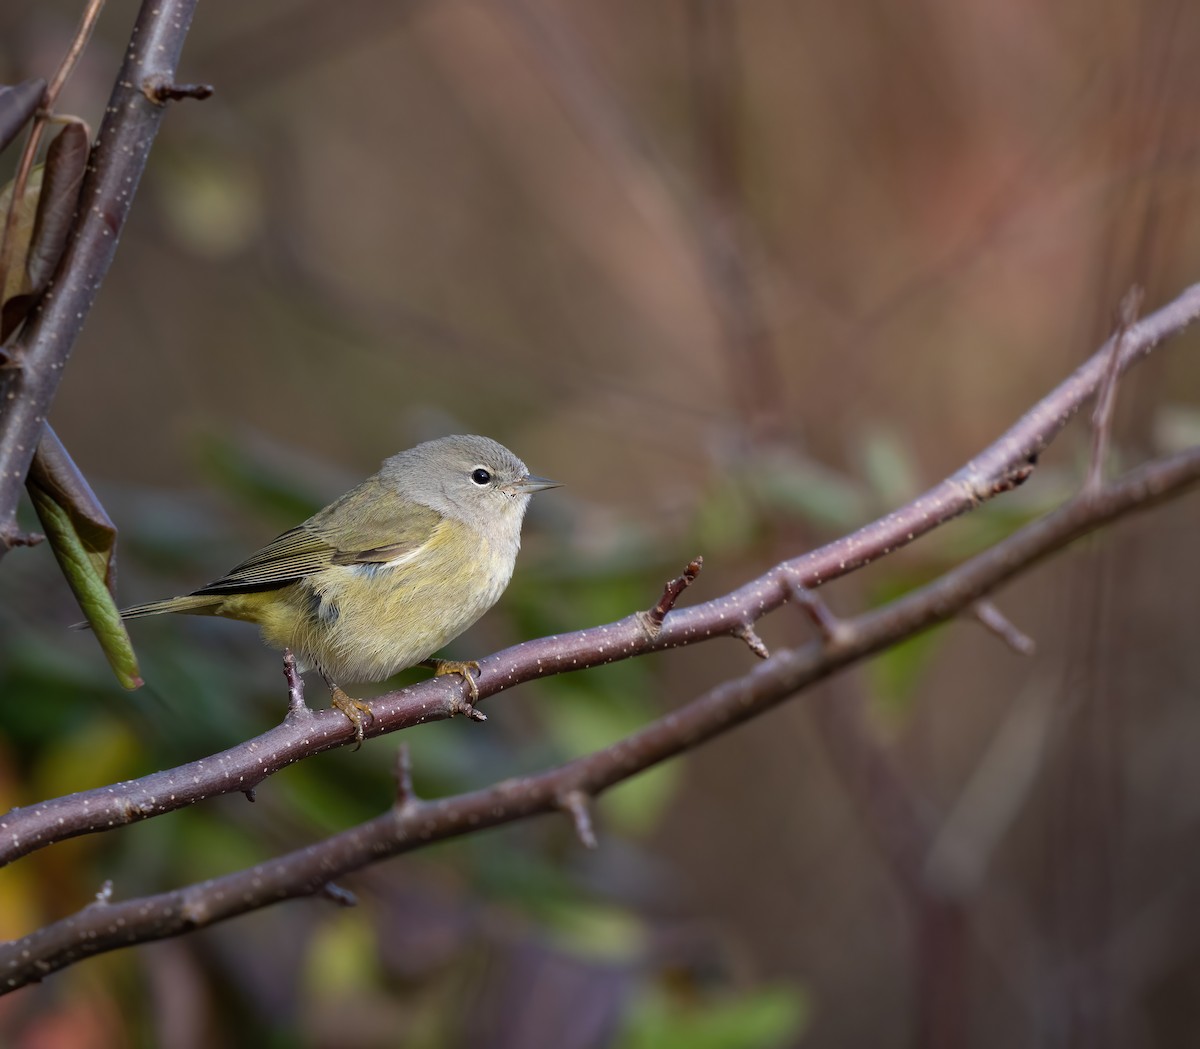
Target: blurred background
(744, 276)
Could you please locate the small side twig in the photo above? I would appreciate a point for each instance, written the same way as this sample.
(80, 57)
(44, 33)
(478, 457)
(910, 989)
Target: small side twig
(832, 630)
(747, 633)
(577, 805)
(1106, 399)
(15, 536)
(342, 897)
(653, 618)
(463, 705)
(1000, 625)
(295, 686)
(161, 90)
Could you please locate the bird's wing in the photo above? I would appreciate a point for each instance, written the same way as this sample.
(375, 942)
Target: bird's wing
(360, 528)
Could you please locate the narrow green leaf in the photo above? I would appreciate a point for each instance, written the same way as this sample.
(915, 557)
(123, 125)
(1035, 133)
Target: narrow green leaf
(83, 539)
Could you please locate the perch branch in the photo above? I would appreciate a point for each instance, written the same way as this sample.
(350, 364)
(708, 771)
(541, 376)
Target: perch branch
(415, 823)
(996, 469)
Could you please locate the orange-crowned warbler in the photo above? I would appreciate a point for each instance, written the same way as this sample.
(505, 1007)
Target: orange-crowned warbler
(386, 575)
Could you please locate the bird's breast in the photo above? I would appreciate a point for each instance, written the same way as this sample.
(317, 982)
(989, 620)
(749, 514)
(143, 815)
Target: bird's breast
(365, 622)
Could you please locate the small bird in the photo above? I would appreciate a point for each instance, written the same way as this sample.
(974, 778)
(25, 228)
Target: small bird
(389, 573)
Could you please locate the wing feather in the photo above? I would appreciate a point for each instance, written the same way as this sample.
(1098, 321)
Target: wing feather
(368, 525)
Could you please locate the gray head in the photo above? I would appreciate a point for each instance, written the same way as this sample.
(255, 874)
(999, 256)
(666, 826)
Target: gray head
(471, 478)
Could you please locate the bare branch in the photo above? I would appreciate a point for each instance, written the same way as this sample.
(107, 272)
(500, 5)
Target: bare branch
(309, 871)
(242, 767)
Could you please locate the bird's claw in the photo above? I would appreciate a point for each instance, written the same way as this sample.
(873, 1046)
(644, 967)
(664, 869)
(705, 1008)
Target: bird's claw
(358, 712)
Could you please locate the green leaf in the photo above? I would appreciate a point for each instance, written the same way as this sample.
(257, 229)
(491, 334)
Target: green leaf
(767, 1019)
(804, 488)
(84, 542)
(888, 467)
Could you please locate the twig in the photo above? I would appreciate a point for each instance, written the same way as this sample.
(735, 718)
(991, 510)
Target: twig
(747, 633)
(295, 686)
(828, 625)
(161, 89)
(654, 617)
(1102, 415)
(576, 804)
(308, 871)
(342, 897)
(999, 624)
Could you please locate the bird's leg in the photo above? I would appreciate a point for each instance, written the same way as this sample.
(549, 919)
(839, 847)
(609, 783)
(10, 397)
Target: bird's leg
(354, 709)
(464, 669)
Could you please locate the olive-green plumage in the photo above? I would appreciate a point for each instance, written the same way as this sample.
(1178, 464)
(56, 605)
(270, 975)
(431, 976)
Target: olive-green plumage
(389, 573)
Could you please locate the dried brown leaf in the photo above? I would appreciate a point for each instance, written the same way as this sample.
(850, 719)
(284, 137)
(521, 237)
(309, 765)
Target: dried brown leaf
(66, 163)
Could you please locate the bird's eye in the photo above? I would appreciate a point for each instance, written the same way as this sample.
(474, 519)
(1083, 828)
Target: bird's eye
(480, 476)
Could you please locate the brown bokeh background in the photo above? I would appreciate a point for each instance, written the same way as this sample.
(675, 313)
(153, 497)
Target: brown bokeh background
(743, 275)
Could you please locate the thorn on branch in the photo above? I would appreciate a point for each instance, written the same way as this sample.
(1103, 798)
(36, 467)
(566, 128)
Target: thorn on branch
(342, 897)
(577, 805)
(999, 624)
(652, 619)
(14, 536)
(462, 705)
(979, 488)
(832, 630)
(1015, 477)
(161, 90)
(1106, 399)
(755, 643)
(405, 794)
(250, 795)
(104, 896)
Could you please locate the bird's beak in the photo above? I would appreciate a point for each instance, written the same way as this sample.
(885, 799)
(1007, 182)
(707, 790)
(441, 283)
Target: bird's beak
(529, 484)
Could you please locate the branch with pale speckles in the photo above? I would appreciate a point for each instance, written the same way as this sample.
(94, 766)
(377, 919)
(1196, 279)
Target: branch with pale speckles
(412, 822)
(304, 732)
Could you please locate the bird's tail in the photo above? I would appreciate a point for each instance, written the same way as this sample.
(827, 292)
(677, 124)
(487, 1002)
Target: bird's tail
(193, 604)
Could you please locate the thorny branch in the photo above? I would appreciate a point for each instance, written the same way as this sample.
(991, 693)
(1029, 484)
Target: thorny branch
(241, 768)
(412, 823)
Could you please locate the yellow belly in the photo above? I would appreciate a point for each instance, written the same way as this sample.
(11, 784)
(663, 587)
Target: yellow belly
(366, 622)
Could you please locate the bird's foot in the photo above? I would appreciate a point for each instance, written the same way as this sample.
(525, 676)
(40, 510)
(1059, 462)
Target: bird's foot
(464, 669)
(359, 713)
